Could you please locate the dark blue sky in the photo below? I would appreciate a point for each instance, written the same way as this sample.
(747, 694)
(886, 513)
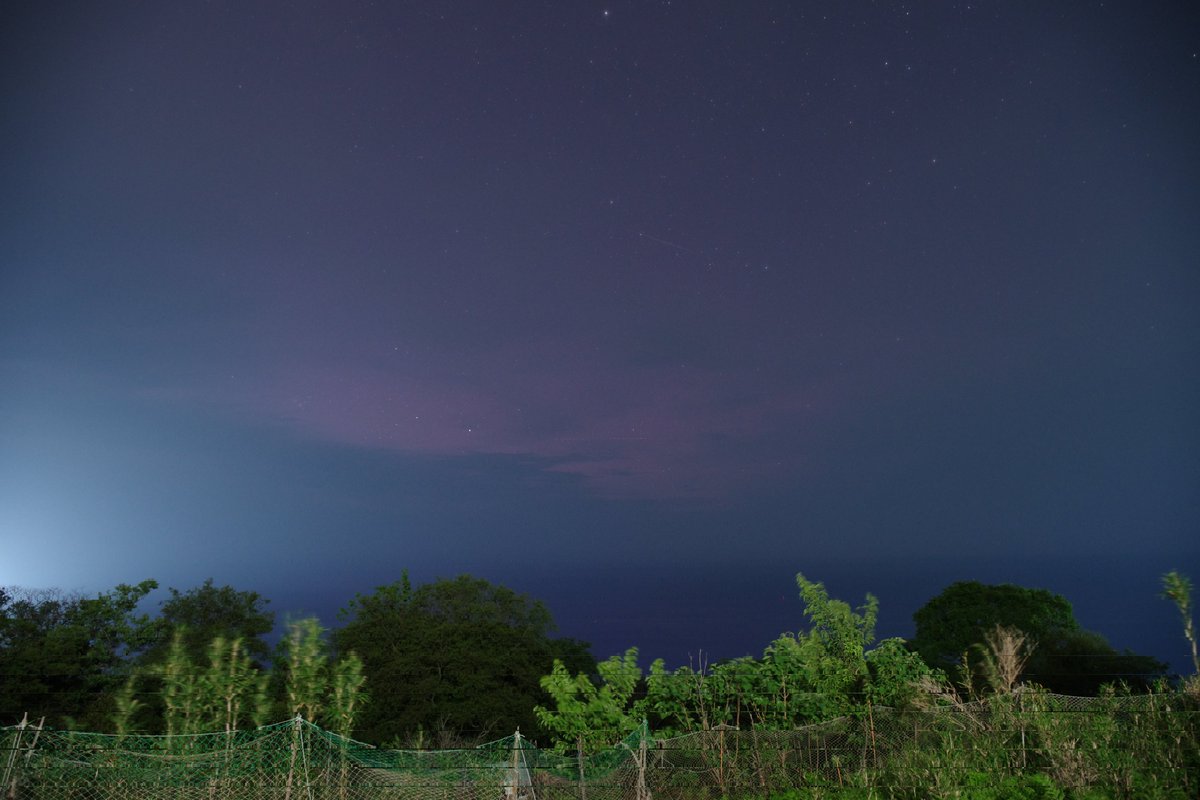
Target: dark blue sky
(639, 307)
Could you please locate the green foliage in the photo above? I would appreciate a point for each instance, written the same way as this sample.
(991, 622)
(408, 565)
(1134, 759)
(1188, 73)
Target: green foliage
(229, 692)
(811, 676)
(1027, 746)
(233, 682)
(587, 717)
(837, 640)
(226, 692)
(1022, 743)
(679, 700)
(1178, 589)
(126, 706)
(983, 786)
(346, 696)
(1003, 655)
(896, 673)
(180, 689)
(461, 655)
(306, 666)
(1067, 658)
(63, 656)
(958, 618)
(205, 612)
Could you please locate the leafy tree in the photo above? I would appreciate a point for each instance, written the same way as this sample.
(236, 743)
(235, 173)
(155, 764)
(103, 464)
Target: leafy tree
(459, 655)
(958, 618)
(896, 673)
(63, 656)
(1083, 662)
(803, 677)
(587, 717)
(205, 612)
(837, 639)
(1066, 658)
(681, 701)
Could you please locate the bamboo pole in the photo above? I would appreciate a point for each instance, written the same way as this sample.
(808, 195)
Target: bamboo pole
(12, 756)
(291, 776)
(514, 786)
(643, 793)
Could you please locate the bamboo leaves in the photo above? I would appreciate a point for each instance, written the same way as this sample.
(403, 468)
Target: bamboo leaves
(226, 693)
(810, 676)
(306, 665)
(1178, 589)
(346, 693)
(314, 688)
(230, 692)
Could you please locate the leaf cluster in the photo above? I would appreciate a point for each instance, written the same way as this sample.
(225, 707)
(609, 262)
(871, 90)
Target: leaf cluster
(587, 715)
(1068, 659)
(64, 656)
(825, 671)
(457, 657)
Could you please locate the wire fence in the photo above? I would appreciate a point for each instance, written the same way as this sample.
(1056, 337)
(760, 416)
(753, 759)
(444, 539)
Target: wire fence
(1146, 746)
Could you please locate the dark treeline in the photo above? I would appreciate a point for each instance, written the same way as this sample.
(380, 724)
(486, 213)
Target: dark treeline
(462, 660)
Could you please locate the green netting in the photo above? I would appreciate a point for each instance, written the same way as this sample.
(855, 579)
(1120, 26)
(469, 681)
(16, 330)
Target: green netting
(294, 759)
(1126, 747)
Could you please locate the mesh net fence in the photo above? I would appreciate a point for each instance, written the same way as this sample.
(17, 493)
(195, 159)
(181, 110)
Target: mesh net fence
(1123, 746)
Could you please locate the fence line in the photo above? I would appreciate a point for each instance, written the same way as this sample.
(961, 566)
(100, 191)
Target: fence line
(1121, 745)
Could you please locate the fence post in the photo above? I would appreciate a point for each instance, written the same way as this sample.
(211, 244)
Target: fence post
(874, 744)
(1021, 718)
(287, 792)
(514, 788)
(12, 756)
(582, 779)
(37, 732)
(643, 793)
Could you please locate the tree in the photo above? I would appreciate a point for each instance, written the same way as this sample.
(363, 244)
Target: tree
(458, 656)
(1065, 657)
(588, 717)
(1178, 589)
(207, 611)
(192, 620)
(809, 676)
(896, 673)
(64, 656)
(837, 639)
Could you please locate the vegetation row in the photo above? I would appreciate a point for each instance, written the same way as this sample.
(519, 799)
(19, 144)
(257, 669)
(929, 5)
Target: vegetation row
(458, 661)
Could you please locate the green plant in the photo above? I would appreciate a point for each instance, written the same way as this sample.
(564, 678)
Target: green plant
(347, 695)
(1178, 589)
(588, 717)
(983, 786)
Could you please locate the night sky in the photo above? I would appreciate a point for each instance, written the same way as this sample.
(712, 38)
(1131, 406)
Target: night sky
(638, 307)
